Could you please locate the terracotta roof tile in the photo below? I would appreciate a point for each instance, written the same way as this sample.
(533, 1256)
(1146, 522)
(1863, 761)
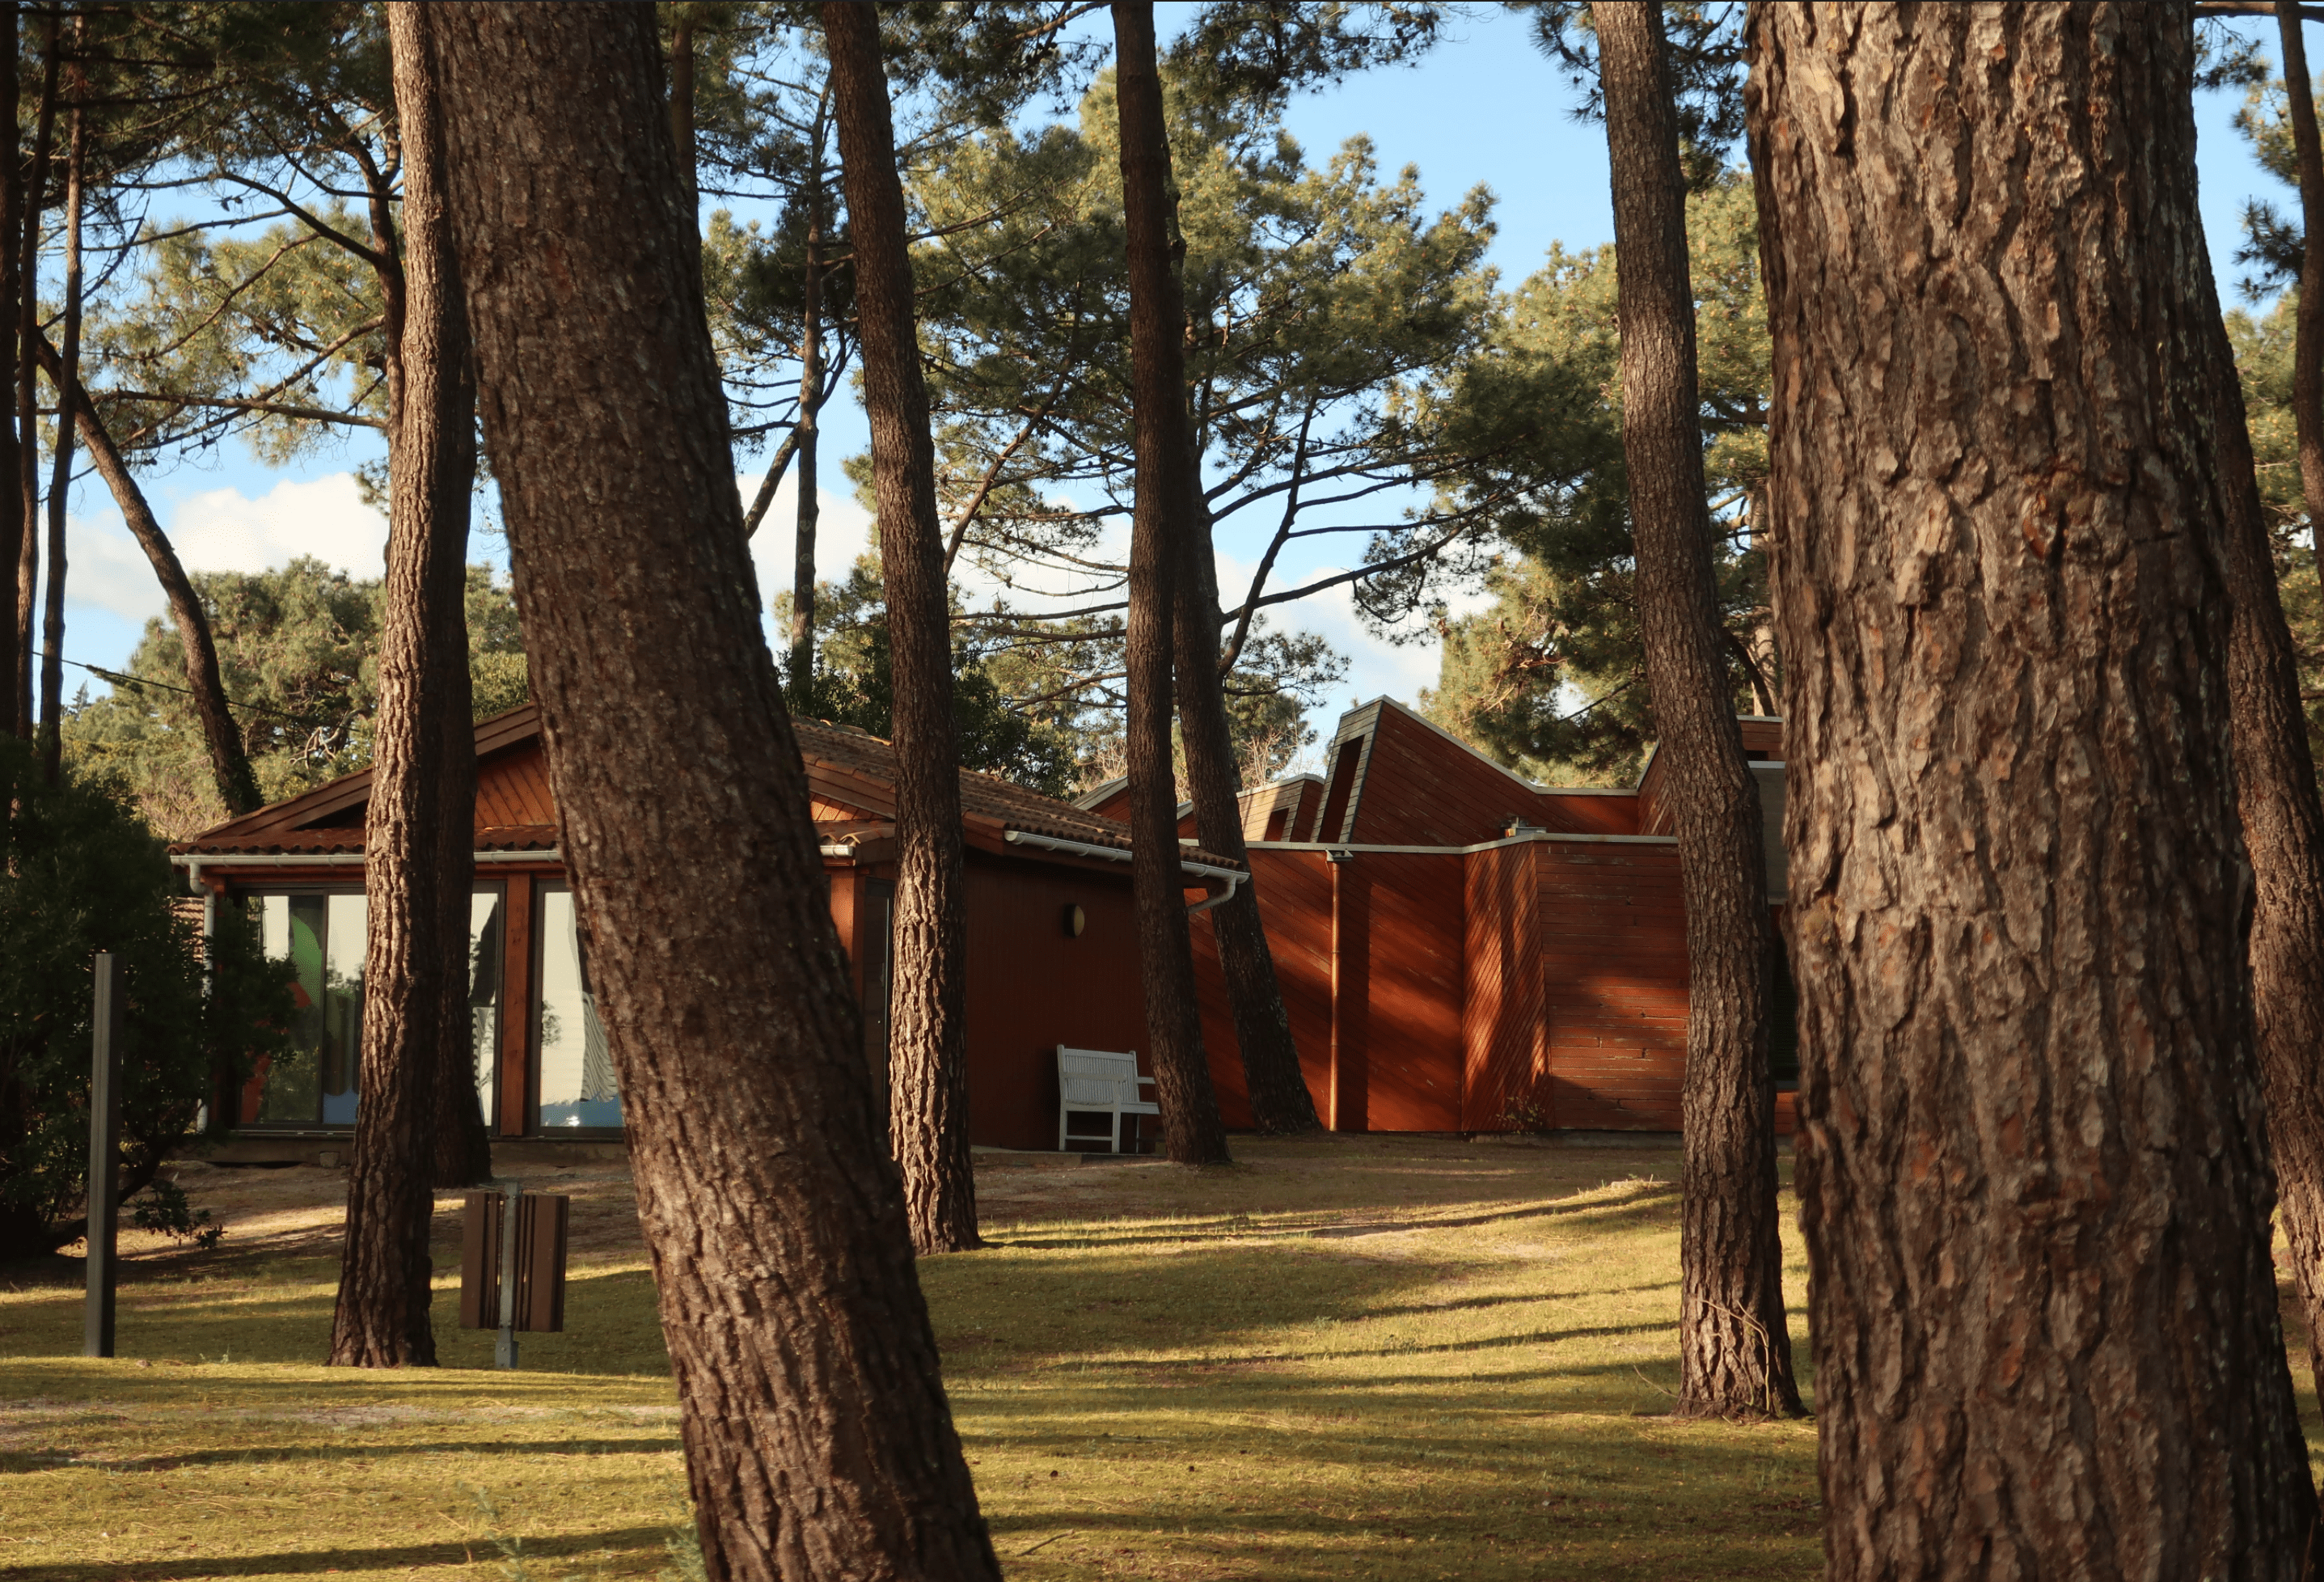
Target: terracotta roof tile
(344, 839)
(865, 760)
(981, 795)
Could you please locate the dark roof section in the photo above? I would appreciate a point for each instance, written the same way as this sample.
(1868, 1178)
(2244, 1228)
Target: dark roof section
(846, 764)
(347, 838)
(866, 765)
(351, 791)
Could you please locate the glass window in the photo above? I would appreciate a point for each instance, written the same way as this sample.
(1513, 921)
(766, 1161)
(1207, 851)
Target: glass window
(316, 1081)
(577, 1068)
(484, 935)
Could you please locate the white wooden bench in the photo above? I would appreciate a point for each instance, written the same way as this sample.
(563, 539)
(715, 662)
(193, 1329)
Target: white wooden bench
(1094, 1082)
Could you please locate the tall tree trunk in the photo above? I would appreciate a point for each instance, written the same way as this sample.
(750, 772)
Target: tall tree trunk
(52, 615)
(1280, 1103)
(431, 476)
(1735, 1344)
(1191, 1129)
(381, 1317)
(14, 523)
(28, 406)
(237, 786)
(2308, 320)
(2284, 832)
(2275, 771)
(2032, 1162)
(802, 657)
(818, 1441)
(928, 1049)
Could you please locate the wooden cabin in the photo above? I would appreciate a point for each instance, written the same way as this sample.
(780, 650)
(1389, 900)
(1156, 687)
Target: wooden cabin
(1051, 938)
(1463, 950)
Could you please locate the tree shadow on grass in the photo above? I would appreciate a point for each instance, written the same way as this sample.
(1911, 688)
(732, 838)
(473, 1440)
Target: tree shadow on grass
(610, 1329)
(259, 1455)
(1648, 1201)
(294, 1562)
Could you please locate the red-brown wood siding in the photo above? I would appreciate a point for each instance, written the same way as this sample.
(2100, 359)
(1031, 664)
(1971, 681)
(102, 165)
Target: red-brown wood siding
(1504, 1030)
(1032, 987)
(1614, 970)
(830, 810)
(514, 1089)
(1420, 788)
(1412, 941)
(512, 787)
(1571, 812)
(1295, 903)
(1654, 816)
(1761, 738)
(1115, 807)
(1347, 762)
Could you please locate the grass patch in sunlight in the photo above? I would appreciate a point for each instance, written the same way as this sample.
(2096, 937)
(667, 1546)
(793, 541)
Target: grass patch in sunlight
(1386, 1357)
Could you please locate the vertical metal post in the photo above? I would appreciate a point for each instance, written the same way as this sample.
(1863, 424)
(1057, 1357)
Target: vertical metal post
(104, 1155)
(504, 1347)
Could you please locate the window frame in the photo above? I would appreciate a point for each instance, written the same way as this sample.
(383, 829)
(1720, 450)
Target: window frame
(542, 888)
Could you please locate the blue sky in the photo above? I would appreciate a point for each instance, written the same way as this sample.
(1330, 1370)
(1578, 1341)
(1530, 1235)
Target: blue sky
(1484, 107)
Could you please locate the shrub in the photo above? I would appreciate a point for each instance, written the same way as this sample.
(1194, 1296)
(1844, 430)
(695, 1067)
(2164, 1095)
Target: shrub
(80, 873)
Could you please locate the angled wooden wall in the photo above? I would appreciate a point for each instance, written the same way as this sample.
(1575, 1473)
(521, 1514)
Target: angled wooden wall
(512, 788)
(1614, 975)
(1504, 1036)
(1295, 904)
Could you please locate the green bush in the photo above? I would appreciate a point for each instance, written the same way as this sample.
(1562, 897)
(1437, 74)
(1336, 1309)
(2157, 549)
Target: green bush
(80, 873)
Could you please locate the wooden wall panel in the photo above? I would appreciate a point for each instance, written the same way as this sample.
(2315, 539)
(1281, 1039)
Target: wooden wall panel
(1764, 735)
(1115, 807)
(1413, 1058)
(512, 787)
(1574, 812)
(1421, 789)
(518, 993)
(1614, 970)
(1295, 903)
(1654, 816)
(1504, 1035)
(1032, 987)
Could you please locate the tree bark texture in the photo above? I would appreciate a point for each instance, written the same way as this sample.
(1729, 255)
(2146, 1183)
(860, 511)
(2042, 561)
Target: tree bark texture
(809, 429)
(1735, 1348)
(2284, 832)
(1280, 1103)
(2032, 1158)
(410, 975)
(431, 477)
(927, 1054)
(28, 406)
(52, 612)
(681, 99)
(2308, 317)
(1192, 1131)
(818, 1441)
(237, 785)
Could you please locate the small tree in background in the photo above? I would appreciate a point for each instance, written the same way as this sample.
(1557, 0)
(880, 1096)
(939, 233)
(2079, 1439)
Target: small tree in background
(80, 873)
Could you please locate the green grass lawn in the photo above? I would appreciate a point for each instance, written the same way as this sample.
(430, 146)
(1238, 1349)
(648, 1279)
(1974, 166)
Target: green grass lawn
(1343, 1358)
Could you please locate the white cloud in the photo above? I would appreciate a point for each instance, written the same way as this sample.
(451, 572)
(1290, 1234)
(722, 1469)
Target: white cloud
(222, 530)
(1375, 667)
(843, 530)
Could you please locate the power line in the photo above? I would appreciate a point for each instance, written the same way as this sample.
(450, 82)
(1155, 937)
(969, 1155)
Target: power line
(137, 683)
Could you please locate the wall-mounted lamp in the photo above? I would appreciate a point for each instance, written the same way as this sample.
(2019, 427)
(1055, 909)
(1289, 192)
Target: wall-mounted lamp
(1073, 922)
